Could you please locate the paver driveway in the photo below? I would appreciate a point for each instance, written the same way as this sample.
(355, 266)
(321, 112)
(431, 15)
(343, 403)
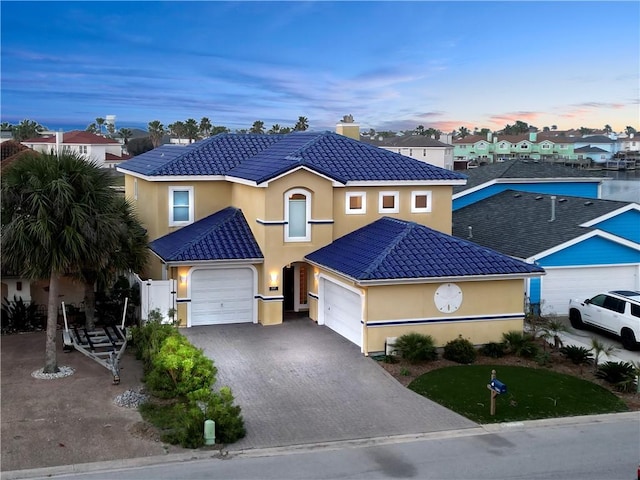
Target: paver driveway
(302, 383)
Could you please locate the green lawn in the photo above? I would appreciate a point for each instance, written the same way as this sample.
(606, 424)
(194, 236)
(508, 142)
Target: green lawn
(531, 393)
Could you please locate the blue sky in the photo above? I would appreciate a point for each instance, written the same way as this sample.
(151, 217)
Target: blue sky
(392, 65)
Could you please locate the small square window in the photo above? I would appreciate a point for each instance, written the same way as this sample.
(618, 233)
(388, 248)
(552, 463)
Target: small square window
(388, 202)
(420, 202)
(356, 203)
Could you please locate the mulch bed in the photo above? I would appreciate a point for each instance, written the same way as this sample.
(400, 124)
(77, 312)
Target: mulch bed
(406, 372)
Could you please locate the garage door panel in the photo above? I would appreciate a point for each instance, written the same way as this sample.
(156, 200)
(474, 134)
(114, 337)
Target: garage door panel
(560, 285)
(221, 296)
(342, 311)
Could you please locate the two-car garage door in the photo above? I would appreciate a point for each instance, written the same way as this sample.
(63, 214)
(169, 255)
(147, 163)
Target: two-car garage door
(341, 310)
(222, 295)
(560, 285)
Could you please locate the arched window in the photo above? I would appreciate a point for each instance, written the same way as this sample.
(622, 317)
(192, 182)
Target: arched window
(297, 213)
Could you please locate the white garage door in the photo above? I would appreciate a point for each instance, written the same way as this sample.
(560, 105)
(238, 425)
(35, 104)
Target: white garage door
(221, 295)
(560, 285)
(342, 311)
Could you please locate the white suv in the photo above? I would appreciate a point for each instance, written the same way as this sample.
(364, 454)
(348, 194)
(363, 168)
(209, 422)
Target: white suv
(617, 312)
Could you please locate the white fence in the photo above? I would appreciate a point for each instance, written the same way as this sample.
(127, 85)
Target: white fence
(156, 294)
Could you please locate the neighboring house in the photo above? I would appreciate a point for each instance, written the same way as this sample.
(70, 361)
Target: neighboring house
(527, 176)
(106, 152)
(597, 148)
(250, 227)
(585, 245)
(419, 147)
(629, 144)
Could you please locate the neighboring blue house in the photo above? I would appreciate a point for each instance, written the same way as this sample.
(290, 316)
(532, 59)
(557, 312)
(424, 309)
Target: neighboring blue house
(585, 245)
(526, 176)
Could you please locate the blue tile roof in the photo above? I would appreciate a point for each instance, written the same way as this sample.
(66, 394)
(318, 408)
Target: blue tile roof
(260, 158)
(396, 249)
(225, 235)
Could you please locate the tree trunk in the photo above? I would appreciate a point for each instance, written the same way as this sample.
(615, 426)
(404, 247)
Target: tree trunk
(50, 352)
(89, 306)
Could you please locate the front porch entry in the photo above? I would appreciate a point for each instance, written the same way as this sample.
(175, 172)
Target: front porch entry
(295, 289)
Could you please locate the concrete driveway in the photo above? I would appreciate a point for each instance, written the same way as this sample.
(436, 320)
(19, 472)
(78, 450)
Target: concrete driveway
(300, 383)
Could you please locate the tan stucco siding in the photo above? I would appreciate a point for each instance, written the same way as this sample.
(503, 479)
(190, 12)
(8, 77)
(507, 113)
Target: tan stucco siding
(145, 203)
(489, 308)
(416, 301)
(251, 201)
(477, 332)
(439, 218)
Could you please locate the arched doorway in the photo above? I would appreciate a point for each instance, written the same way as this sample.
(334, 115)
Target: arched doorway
(295, 286)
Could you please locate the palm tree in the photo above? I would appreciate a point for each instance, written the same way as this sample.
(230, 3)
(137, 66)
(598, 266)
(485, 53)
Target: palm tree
(599, 348)
(285, 130)
(607, 128)
(56, 217)
(420, 130)
(125, 134)
(205, 127)
(191, 129)
(257, 127)
(463, 132)
(628, 130)
(177, 129)
(275, 128)
(156, 132)
(128, 252)
(92, 128)
(301, 125)
(26, 129)
(100, 122)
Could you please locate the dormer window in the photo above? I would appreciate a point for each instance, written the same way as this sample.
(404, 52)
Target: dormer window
(297, 212)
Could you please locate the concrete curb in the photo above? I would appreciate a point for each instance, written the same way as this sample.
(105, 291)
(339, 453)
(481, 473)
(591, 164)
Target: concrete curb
(210, 454)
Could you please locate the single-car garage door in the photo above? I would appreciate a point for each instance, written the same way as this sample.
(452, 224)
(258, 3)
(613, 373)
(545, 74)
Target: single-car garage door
(342, 311)
(221, 295)
(560, 285)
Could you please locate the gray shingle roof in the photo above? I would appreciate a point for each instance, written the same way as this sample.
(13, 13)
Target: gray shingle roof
(521, 169)
(517, 223)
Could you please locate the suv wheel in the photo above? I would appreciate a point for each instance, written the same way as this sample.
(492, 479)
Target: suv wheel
(576, 319)
(628, 339)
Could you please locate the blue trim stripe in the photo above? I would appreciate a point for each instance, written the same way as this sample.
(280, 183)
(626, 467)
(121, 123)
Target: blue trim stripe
(271, 222)
(313, 295)
(425, 321)
(269, 299)
(183, 300)
(321, 222)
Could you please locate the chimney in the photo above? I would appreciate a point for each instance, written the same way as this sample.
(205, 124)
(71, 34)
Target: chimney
(533, 136)
(59, 141)
(348, 127)
(489, 135)
(553, 208)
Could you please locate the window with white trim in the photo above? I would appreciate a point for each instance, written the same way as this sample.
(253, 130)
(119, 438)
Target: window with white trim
(180, 206)
(420, 201)
(297, 213)
(388, 202)
(356, 203)
(545, 146)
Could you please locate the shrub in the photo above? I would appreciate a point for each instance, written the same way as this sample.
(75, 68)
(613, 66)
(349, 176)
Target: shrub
(180, 370)
(180, 423)
(622, 375)
(520, 344)
(229, 421)
(148, 339)
(577, 355)
(416, 347)
(543, 359)
(18, 316)
(460, 350)
(493, 350)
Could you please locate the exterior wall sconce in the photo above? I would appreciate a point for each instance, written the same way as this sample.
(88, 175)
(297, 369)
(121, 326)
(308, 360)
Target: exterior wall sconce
(273, 283)
(183, 279)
